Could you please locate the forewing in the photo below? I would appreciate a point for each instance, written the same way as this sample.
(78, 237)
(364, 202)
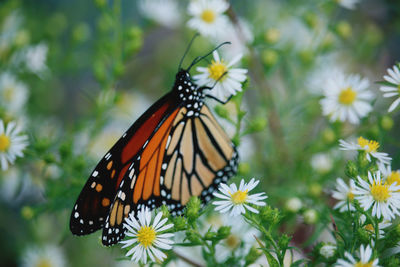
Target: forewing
(141, 183)
(93, 204)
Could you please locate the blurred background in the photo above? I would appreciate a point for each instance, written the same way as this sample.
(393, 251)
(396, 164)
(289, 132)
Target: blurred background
(90, 68)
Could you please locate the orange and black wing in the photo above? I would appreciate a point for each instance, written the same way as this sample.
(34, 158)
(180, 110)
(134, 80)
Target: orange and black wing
(93, 204)
(186, 156)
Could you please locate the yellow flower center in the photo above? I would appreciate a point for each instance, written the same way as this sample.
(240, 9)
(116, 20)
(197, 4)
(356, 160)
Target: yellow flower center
(208, 16)
(146, 236)
(43, 263)
(362, 264)
(232, 241)
(372, 146)
(8, 93)
(4, 143)
(239, 197)
(347, 96)
(217, 70)
(350, 196)
(394, 176)
(380, 192)
(370, 228)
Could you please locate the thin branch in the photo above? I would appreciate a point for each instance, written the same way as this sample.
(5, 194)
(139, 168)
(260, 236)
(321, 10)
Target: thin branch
(187, 260)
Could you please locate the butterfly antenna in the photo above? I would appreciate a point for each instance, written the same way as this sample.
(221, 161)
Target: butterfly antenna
(187, 49)
(198, 59)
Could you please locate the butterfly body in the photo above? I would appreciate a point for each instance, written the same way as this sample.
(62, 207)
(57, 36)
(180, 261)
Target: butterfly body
(175, 150)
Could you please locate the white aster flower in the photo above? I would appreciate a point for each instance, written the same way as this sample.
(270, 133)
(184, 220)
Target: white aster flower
(349, 4)
(346, 98)
(238, 200)
(208, 17)
(49, 256)
(227, 80)
(394, 90)
(35, 58)
(164, 12)
(389, 175)
(12, 143)
(344, 194)
(382, 197)
(327, 250)
(13, 94)
(369, 146)
(365, 259)
(146, 236)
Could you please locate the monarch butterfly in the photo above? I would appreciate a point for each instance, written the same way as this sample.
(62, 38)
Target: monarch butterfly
(175, 150)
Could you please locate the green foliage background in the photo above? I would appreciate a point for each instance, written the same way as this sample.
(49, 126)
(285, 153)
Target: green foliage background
(100, 50)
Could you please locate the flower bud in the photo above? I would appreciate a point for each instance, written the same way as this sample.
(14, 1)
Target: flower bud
(283, 241)
(269, 215)
(343, 29)
(293, 204)
(100, 3)
(315, 189)
(351, 169)
(193, 208)
(257, 125)
(387, 123)
(210, 235)
(165, 211)
(363, 235)
(272, 35)
(269, 57)
(328, 135)
(252, 256)
(27, 212)
(327, 250)
(81, 33)
(193, 237)
(223, 232)
(244, 169)
(179, 223)
(22, 38)
(310, 216)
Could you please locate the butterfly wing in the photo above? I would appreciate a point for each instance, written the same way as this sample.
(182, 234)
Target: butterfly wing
(186, 156)
(198, 158)
(93, 204)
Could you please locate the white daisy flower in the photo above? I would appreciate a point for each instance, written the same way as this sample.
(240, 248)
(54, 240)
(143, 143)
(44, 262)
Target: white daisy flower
(344, 193)
(349, 4)
(12, 143)
(365, 259)
(327, 250)
(382, 197)
(346, 98)
(238, 200)
(146, 235)
(227, 80)
(394, 90)
(369, 146)
(208, 17)
(13, 94)
(35, 58)
(389, 175)
(164, 12)
(49, 256)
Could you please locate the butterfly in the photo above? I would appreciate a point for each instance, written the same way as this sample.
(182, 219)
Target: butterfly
(175, 150)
